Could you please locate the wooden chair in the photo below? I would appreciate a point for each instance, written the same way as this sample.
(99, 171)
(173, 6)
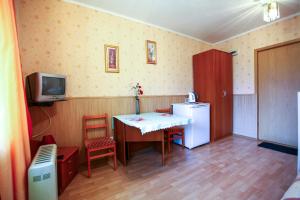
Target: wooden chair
(96, 146)
(173, 133)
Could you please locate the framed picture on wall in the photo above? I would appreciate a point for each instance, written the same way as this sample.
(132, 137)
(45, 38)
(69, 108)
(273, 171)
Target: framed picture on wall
(111, 58)
(151, 52)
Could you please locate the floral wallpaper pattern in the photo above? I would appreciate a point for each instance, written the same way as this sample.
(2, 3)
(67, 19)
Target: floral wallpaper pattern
(243, 63)
(59, 37)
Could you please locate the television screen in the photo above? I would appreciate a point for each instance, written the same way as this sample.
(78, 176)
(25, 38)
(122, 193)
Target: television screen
(53, 86)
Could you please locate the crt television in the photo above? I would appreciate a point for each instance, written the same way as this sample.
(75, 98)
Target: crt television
(43, 87)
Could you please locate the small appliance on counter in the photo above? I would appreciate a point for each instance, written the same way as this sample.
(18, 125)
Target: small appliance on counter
(192, 97)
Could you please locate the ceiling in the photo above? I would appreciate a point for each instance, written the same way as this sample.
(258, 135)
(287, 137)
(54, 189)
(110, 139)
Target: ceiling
(207, 20)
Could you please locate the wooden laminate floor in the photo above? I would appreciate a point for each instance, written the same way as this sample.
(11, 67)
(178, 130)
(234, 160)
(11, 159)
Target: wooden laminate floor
(233, 168)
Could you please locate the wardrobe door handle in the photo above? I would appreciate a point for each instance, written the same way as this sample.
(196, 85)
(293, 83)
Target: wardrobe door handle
(224, 93)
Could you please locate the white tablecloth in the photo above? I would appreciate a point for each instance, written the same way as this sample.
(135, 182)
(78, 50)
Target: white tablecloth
(153, 121)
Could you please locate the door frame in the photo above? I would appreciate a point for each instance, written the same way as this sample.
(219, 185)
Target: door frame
(256, 51)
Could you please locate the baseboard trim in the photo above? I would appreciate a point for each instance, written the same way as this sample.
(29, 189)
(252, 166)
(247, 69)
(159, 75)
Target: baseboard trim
(243, 136)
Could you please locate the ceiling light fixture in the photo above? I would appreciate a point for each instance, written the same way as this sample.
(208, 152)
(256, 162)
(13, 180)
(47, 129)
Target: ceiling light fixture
(271, 10)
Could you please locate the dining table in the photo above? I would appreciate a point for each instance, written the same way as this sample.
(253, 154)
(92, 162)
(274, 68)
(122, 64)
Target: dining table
(143, 128)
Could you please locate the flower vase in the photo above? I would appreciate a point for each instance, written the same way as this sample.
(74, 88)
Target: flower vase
(137, 105)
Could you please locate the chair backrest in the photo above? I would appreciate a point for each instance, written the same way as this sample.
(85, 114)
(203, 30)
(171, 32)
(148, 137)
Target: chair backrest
(86, 127)
(163, 110)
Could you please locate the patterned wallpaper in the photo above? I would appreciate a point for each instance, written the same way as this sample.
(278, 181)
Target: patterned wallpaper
(243, 63)
(59, 37)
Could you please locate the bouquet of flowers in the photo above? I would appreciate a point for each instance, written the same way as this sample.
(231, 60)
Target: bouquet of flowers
(137, 90)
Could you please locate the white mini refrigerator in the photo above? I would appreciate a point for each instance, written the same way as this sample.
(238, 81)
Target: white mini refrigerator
(197, 132)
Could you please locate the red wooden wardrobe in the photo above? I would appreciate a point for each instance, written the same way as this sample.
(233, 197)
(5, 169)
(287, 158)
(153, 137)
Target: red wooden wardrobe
(212, 73)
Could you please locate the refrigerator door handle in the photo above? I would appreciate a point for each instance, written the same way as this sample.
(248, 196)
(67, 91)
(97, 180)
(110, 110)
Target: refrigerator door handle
(198, 106)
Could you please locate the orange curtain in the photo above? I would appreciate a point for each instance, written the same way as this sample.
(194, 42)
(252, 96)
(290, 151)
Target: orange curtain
(14, 138)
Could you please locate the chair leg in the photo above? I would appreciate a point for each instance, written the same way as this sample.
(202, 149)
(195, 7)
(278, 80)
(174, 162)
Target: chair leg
(169, 143)
(163, 150)
(89, 163)
(182, 139)
(115, 158)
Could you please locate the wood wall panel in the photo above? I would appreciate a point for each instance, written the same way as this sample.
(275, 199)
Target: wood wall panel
(245, 115)
(66, 116)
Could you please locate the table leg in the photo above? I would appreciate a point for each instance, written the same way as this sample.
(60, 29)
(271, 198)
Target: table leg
(127, 150)
(162, 148)
(124, 146)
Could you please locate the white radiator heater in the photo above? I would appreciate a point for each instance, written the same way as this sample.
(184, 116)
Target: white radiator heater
(42, 177)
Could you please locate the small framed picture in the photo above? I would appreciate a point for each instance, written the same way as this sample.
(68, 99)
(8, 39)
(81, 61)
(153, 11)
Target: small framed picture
(111, 59)
(151, 52)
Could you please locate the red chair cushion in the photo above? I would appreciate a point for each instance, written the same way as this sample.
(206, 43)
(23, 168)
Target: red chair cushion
(99, 142)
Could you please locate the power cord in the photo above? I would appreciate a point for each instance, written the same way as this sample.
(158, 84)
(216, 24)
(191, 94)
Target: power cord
(46, 129)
